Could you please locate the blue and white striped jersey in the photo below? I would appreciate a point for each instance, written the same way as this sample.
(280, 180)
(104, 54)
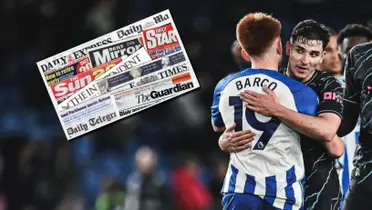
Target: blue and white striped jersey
(273, 168)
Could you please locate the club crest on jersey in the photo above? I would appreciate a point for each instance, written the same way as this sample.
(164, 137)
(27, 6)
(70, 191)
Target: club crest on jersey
(260, 145)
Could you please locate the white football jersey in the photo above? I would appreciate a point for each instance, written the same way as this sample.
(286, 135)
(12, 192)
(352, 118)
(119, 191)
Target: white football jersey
(273, 168)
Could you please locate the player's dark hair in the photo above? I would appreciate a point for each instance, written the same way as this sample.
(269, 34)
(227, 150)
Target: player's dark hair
(310, 30)
(351, 30)
(256, 32)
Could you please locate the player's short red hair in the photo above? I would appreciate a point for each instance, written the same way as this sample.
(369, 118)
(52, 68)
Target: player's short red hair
(256, 32)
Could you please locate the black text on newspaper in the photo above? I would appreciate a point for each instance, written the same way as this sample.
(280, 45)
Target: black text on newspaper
(72, 55)
(93, 114)
(94, 89)
(137, 28)
(150, 95)
(110, 52)
(134, 75)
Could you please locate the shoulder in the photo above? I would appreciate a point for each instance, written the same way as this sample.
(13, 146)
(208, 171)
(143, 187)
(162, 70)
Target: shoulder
(224, 81)
(327, 80)
(358, 52)
(359, 57)
(282, 77)
(307, 92)
(293, 85)
(361, 49)
(296, 86)
(325, 76)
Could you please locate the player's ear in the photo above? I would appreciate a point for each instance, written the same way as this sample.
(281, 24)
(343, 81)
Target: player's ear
(322, 56)
(279, 46)
(288, 47)
(245, 55)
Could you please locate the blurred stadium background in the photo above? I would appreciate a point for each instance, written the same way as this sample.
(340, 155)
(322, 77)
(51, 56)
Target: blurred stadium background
(40, 170)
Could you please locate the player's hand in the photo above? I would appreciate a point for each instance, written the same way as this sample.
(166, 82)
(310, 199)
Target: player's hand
(265, 104)
(231, 141)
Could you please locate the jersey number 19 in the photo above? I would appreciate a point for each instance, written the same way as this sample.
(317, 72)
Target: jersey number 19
(267, 128)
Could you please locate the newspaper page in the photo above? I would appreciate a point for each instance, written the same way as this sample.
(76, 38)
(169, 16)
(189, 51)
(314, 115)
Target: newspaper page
(132, 96)
(71, 79)
(92, 90)
(64, 89)
(96, 83)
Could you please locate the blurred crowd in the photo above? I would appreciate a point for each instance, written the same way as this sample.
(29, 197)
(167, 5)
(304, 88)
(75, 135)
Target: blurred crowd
(38, 176)
(149, 161)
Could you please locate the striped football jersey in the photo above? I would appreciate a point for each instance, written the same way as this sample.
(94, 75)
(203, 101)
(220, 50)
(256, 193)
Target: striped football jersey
(273, 168)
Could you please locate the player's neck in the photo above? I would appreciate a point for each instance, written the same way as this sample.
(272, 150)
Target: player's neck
(337, 75)
(263, 64)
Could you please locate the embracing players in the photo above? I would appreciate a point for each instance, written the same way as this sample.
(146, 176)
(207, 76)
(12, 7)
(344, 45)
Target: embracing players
(320, 144)
(269, 175)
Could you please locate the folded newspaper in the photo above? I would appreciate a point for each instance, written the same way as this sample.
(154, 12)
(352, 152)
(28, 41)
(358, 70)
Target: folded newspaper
(118, 74)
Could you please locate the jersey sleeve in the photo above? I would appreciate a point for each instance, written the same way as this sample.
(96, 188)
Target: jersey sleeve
(330, 97)
(306, 101)
(351, 92)
(215, 110)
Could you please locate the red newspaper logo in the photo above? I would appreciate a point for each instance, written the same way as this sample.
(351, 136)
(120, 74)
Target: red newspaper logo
(160, 38)
(73, 84)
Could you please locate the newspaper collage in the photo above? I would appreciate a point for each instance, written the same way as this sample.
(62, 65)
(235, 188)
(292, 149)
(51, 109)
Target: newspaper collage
(118, 74)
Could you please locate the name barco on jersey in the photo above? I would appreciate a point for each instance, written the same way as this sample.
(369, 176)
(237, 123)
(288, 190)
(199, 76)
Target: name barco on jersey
(255, 82)
(77, 54)
(169, 91)
(113, 53)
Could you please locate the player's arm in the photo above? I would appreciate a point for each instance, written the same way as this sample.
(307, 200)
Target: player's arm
(350, 117)
(217, 122)
(322, 127)
(329, 113)
(218, 129)
(330, 109)
(336, 147)
(351, 99)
